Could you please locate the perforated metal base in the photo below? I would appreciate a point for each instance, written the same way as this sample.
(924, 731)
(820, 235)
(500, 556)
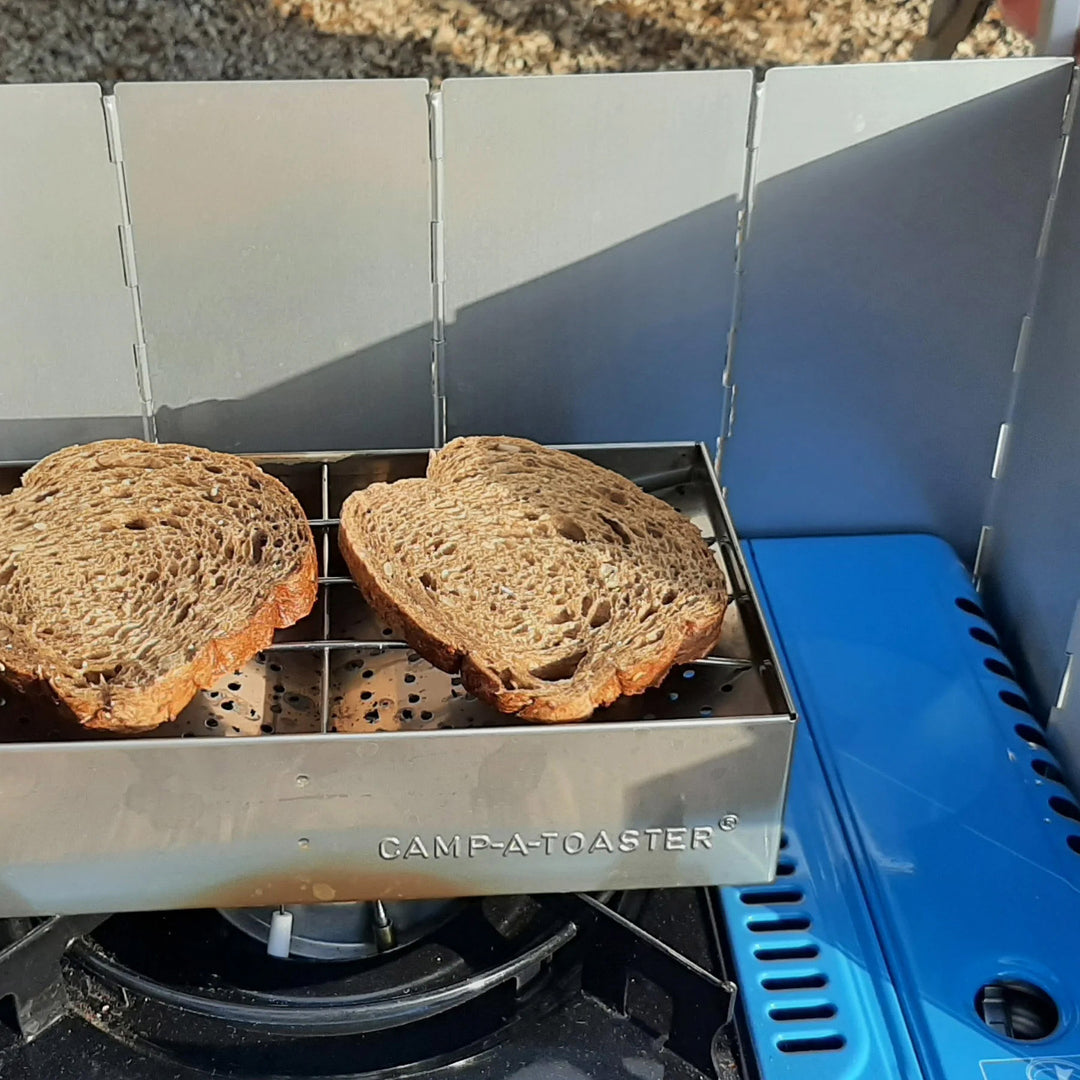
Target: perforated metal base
(341, 669)
(381, 685)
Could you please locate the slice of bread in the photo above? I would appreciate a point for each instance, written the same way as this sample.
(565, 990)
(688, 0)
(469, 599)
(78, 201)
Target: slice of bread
(134, 574)
(552, 584)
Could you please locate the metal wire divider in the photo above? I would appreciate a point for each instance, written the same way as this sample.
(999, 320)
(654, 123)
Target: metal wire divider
(324, 527)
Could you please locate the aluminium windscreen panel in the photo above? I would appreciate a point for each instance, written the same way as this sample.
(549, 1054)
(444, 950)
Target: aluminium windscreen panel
(282, 243)
(893, 231)
(1033, 577)
(67, 327)
(589, 238)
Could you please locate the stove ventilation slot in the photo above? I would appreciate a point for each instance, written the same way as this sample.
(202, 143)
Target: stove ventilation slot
(1028, 728)
(800, 1010)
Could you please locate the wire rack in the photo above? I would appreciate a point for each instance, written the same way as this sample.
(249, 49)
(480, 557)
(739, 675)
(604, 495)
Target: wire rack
(341, 670)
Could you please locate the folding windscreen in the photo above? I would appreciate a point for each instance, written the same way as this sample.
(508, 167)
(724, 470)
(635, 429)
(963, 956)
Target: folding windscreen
(577, 265)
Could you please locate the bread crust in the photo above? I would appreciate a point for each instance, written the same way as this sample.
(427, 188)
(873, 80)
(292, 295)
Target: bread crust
(154, 705)
(574, 701)
(128, 709)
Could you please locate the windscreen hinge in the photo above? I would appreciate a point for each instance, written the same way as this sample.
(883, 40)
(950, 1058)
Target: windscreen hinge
(728, 411)
(744, 213)
(130, 268)
(438, 267)
(1072, 649)
(999, 452)
(1062, 721)
(982, 554)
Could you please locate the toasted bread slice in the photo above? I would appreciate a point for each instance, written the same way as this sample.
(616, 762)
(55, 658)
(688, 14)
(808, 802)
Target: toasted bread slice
(552, 584)
(133, 574)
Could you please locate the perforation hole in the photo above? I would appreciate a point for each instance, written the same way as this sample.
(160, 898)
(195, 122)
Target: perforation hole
(785, 867)
(964, 604)
(1065, 807)
(998, 668)
(811, 1044)
(778, 924)
(1074, 844)
(787, 1013)
(1047, 770)
(813, 981)
(1014, 701)
(770, 953)
(773, 896)
(984, 637)
(1032, 736)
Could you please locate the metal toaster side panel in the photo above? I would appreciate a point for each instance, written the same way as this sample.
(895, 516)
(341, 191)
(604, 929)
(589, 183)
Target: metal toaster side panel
(233, 823)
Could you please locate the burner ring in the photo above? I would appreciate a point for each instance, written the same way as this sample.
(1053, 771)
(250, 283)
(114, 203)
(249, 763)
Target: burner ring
(347, 931)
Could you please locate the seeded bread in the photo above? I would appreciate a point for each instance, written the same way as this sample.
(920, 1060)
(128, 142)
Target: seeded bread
(552, 584)
(132, 575)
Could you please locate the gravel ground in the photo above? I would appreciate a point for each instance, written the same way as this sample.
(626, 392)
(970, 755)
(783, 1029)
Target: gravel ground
(110, 40)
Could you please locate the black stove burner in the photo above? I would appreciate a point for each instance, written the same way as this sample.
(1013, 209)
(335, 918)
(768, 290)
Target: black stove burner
(548, 988)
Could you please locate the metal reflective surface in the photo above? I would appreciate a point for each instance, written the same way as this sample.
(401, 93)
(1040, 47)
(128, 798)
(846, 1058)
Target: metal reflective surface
(891, 256)
(393, 815)
(1033, 568)
(67, 328)
(589, 227)
(282, 240)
